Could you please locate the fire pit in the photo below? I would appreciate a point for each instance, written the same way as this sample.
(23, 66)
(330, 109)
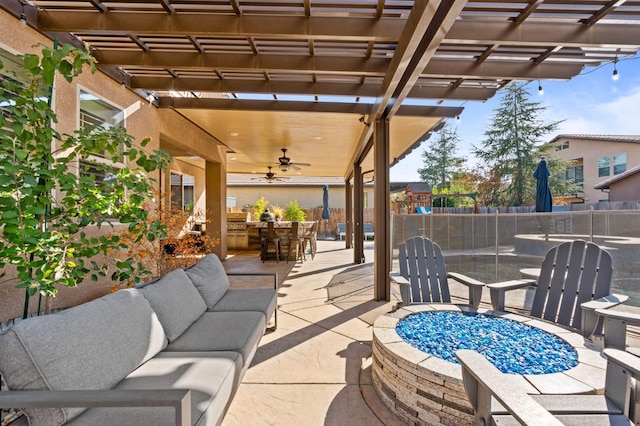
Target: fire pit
(418, 378)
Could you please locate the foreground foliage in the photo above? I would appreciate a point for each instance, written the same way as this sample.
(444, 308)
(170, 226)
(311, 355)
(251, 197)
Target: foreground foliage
(51, 218)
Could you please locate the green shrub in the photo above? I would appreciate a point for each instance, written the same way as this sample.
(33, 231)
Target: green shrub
(293, 212)
(258, 208)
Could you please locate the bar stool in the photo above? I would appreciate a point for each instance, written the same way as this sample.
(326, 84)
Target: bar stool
(269, 239)
(295, 238)
(310, 236)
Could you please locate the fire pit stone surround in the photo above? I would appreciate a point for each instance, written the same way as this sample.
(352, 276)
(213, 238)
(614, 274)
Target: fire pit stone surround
(424, 389)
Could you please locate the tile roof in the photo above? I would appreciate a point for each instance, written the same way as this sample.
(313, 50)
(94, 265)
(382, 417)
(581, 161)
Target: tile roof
(602, 138)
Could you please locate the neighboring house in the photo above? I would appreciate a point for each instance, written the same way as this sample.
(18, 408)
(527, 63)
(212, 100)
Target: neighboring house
(596, 158)
(622, 187)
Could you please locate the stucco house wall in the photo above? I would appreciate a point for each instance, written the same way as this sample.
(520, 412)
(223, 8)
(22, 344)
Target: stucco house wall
(277, 194)
(625, 190)
(165, 127)
(585, 150)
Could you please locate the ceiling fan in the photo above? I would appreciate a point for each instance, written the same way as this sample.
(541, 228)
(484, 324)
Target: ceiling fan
(284, 162)
(270, 177)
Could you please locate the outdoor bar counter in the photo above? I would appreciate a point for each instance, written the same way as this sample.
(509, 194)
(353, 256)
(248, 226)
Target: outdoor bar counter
(282, 228)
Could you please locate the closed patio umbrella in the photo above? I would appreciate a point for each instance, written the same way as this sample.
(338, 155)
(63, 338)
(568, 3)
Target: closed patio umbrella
(325, 202)
(544, 201)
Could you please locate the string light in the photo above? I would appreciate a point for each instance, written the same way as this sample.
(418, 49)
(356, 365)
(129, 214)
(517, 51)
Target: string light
(540, 89)
(615, 76)
(23, 16)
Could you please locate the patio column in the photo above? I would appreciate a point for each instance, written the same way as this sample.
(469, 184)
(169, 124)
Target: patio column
(358, 215)
(348, 188)
(381, 212)
(216, 202)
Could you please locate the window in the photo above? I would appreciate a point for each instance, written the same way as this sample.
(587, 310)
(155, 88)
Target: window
(96, 112)
(231, 201)
(619, 163)
(604, 166)
(562, 145)
(182, 191)
(575, 174)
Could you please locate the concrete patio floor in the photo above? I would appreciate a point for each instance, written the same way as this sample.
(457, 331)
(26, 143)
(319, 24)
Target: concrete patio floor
(315, 368)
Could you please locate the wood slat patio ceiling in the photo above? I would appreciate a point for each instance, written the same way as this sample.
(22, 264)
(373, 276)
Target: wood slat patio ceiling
(199, 56)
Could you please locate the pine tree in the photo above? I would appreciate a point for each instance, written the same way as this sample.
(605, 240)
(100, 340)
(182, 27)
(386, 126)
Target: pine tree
(512, 144)
(440, 161)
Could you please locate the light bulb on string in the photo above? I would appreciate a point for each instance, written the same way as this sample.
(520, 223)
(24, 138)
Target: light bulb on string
(615, 76)
(540, 89)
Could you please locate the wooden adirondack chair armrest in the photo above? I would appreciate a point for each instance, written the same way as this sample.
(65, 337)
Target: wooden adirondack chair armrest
(405, 286)
(591, 320)
(497, 291)
(463, 279)
(397, 278)
(626, 360)
(475, 287)
(615, 326)
(482, 381)
(180, 399)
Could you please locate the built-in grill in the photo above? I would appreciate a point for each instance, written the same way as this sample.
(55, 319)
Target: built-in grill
(237, 233)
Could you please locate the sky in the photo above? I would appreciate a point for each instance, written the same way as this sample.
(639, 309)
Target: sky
(590, 103)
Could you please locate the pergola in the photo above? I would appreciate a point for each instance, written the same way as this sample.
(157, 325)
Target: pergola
(346, 86)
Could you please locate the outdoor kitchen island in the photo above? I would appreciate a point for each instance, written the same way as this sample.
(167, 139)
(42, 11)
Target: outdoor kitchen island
(282, 228)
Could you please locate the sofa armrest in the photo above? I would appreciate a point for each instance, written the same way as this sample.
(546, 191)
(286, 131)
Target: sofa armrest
(497, 291)
(256, 274)
(482, 381)
(180, 399)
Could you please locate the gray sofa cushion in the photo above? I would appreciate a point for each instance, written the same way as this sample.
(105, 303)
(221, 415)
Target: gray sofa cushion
(244, 299)
(97, 344)
(212, 377)
(176, 301)
(210, 278)
(223, 331)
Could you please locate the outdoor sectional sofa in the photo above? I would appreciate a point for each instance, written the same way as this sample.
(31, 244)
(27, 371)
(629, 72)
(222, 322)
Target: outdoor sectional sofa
(170, 352)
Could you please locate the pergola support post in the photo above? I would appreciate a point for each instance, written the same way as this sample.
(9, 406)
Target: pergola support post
(348, 188)
(382, 212)
(358, 215)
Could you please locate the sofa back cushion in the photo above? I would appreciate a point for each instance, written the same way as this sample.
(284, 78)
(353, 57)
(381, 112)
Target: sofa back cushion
(91, 346)
(176, 302)
(210, 278)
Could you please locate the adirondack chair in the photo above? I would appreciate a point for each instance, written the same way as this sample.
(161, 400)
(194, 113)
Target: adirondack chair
(484, 382)
(423, 274)
(574, 281)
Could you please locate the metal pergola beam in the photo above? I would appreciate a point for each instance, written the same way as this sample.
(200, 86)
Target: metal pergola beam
(334, 29)
(216, 25)
(194, 84)
(299, 106)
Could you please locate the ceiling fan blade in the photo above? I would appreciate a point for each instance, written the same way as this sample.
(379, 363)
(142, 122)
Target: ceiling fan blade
(300, 164)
